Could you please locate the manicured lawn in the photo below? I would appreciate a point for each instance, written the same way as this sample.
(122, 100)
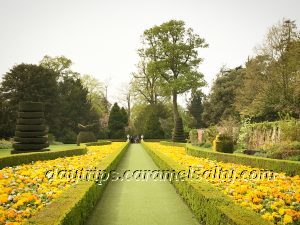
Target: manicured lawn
(6, 152)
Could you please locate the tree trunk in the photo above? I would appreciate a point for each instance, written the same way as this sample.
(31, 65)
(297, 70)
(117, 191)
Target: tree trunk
(178, 134)
(175, 107)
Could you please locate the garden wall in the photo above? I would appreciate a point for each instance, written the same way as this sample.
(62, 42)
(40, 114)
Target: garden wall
(260, 135)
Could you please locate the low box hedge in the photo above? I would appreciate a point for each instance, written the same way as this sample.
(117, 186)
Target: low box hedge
(169, 143)
(98, 143)
(26, 158)
(75, 205)
(209, 205)
(291, 168)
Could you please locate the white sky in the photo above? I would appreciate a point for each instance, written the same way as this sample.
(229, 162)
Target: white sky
(102, 37)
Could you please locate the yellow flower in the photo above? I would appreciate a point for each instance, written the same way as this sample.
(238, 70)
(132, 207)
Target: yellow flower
(268, 216)
(281, 211)
(287, 219)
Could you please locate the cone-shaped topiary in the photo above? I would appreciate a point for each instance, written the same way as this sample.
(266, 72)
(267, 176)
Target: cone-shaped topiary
(31, 131)
(178, 135)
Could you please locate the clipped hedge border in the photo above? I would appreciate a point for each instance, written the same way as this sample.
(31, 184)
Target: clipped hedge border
(26, 158)
(75, 205)
(291, 168)
(209, 205)
(169, 143)
(98, 143)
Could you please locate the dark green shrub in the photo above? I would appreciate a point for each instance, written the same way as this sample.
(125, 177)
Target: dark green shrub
(68, 136)
(116, 123)
(207, 145)
(31, 115)
(85, 136)
(31, 107)
(153, 127)
(35, 140)
(30, 133)
(223, 143)
(31, 127)
(98, 143)
(178, 134)
(28, 147)
(30, 121)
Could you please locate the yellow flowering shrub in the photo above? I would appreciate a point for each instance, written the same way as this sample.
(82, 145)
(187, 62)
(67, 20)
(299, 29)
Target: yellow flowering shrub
(25, 189)
(277, 200)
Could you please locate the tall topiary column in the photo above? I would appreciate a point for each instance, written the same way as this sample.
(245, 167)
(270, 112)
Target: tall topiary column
(31, 131)
(178, 135)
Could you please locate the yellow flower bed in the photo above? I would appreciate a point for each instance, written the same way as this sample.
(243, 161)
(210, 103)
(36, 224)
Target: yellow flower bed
(25, 189)
(277, 200)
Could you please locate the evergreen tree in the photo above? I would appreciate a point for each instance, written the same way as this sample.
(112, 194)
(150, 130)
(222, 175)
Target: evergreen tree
(153, 127)
(116, 123)
(27, 82)
(124, 116)
(195, 107)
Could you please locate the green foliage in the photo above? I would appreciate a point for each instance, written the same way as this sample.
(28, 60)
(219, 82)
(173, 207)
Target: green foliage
(142, 123)
(35, 142)
(290, 129)
(289, 167)
(153, 129)
(116, 123)
(85, 136)
(223, 143)
(98, 143)
(124, 114)
(170, 51)
(178, 135)
(74, 109)
(95, 94)
(219, 105)
(26, 82)
(270, 82)
(53, 82)
(26, 158)
(5, 144)
(195, 107)
(193, 136)
(170, 143)
(244, 133)
(68, 136)
(211, 133)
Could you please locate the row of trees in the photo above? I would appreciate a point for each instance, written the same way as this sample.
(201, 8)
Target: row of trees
(69, 97)
(266, 87)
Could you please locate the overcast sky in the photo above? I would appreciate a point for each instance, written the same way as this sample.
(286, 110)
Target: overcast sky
(102, 37)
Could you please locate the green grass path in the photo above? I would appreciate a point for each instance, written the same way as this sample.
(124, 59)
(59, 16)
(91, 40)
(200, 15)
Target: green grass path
(140, 202)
